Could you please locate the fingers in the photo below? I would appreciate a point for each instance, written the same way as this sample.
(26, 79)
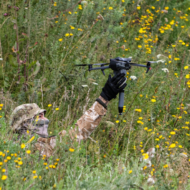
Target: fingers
(117, 78)
(122, 87)
(121, 82)
(109, 78)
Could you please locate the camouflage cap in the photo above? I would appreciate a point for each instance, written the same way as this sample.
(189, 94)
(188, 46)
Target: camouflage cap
(23, 113)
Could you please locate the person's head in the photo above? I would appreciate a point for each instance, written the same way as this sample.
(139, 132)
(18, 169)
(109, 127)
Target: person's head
(24, 113)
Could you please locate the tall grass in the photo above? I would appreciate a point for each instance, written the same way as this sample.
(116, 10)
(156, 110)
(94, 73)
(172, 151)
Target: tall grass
(40, 44)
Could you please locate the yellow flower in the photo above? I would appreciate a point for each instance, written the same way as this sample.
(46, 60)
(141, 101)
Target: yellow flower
(140, 118)
(56, 109)
(70, 12)
(34, 177)
(71, 34)
(28, 151)
(40, 177)
(139, 46)
(60, 39)
(72, 27)
(45, 164)
(117, 121)
(138, 110)
(20, 163)
(31, 139)
(110, 8)
(157, 146)
(166, 8)
(4, 177)
(49, 105)
(22, 145)
(142, 151)
(1, 105)
(153, 100)
(56, 21)
(71, 149)
(144, 168)
(130, 171)
(67, 34)
(54, 186)
(138, 7)
(146, 128)
(172, 145)
(165, 166)
(55, 4)
(180, 146)
(1, 163)
(8, 158)
(172, 132)
(124, 121)
(187, 122)
(34, 172)
(3, 170)
(145, 156)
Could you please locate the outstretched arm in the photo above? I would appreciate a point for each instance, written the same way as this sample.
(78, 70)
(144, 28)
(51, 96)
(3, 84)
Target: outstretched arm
(89, 121)
(91, 118)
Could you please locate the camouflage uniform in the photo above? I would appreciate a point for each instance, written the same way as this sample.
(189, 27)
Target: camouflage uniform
(23, 119)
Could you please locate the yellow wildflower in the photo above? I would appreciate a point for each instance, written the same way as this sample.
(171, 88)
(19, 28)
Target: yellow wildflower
(22, 145)
(165, 166)
(20, 163)
(130, 171)
(172, 145)
(145, 156)
(71, 149)
(4, 177)
(28, 151)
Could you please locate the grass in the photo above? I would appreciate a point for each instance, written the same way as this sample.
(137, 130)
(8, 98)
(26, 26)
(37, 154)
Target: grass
(40, 44)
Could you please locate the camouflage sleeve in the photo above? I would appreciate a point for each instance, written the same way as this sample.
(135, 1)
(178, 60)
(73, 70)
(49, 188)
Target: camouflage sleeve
(88, 122)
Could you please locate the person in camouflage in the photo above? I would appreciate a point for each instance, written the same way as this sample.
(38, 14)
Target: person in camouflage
(29, 119)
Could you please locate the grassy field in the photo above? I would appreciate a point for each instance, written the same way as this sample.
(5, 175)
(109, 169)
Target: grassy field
(41, 42)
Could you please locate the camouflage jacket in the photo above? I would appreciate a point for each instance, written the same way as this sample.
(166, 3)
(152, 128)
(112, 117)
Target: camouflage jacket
(88, 122)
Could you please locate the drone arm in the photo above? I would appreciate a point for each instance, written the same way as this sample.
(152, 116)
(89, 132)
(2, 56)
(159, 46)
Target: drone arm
(138, 65)
(96, 68)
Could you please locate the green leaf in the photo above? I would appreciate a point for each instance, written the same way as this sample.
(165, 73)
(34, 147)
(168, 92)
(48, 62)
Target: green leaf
(13, 61)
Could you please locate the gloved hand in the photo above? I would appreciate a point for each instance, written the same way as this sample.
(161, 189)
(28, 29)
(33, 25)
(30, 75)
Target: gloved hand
(113, 86)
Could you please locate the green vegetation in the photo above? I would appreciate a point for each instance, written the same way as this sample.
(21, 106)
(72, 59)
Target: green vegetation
(40, 44)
